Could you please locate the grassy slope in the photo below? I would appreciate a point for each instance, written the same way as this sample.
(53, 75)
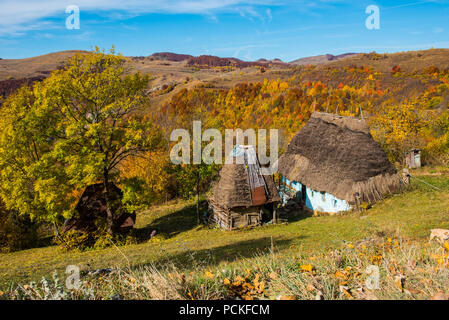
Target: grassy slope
(411, 214)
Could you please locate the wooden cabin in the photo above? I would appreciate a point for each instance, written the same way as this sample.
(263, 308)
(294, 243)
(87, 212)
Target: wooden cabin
(242, 194)
(91, 207)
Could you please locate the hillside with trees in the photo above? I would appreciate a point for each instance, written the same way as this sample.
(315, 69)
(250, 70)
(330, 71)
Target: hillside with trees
(405, 103)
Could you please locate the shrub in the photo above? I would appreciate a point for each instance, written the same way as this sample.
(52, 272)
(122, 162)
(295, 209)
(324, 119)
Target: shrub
(106, 240)
(396, 69)
(82, 241)
(75, 239)
(16, 232)
(437, 150)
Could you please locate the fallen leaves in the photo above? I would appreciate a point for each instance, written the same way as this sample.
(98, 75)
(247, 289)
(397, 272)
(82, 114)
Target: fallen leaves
(244, 288)
(376, 259)
(346, 274)
(306, 268)
(292, 297)
(345, 291)
(441, 259)
(399, 281)
(340, 275)
(446, 245)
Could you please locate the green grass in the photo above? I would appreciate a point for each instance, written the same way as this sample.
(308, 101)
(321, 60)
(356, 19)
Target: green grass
(412, 214)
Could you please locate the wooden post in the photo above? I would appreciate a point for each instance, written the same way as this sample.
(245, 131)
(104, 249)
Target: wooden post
(198, 218)
(357, 199)
(275, 220)
(406, 176)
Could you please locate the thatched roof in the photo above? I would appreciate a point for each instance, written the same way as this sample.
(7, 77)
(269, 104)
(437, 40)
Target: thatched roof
(338, 155)
(233, 188)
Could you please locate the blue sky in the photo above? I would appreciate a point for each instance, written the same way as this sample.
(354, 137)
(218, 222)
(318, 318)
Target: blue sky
(246, 29)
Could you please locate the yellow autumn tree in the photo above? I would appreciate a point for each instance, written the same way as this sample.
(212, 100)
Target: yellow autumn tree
(147, 179)
(399, 128)
(437, 150)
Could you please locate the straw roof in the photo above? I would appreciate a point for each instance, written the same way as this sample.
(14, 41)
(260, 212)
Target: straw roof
(338, 155)
(233, 187)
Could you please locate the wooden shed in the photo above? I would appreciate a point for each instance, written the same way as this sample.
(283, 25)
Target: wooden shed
(242, 193)
(413, 159)
(91, 208)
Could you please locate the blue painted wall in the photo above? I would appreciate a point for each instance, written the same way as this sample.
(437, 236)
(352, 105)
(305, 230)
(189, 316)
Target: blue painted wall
(318, 201)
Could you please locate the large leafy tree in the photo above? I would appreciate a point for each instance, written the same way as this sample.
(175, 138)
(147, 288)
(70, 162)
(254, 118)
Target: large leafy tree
(71, 130)
(399, 128)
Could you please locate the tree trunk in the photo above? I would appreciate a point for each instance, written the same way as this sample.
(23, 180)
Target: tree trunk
(110, 217)
(56, 229)
(198, 219)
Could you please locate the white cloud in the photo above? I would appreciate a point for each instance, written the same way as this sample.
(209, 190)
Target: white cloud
(413, 4)
(19, 16)
(269, 14)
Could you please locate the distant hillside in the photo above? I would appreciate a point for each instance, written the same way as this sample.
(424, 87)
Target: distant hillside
(35, 66)
(9, 86)
(322, 59)
(170, 56)
(213, 61)
(410, 61)
(181, 71)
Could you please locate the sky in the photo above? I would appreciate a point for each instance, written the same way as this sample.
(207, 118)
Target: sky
(245, 29)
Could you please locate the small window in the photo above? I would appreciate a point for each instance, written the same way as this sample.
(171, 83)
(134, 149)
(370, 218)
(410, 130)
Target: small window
(335, 203)
(323, 196)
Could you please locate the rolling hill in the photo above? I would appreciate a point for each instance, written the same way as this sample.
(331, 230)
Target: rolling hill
(173, 72)
(35, 66)
(325, 58)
